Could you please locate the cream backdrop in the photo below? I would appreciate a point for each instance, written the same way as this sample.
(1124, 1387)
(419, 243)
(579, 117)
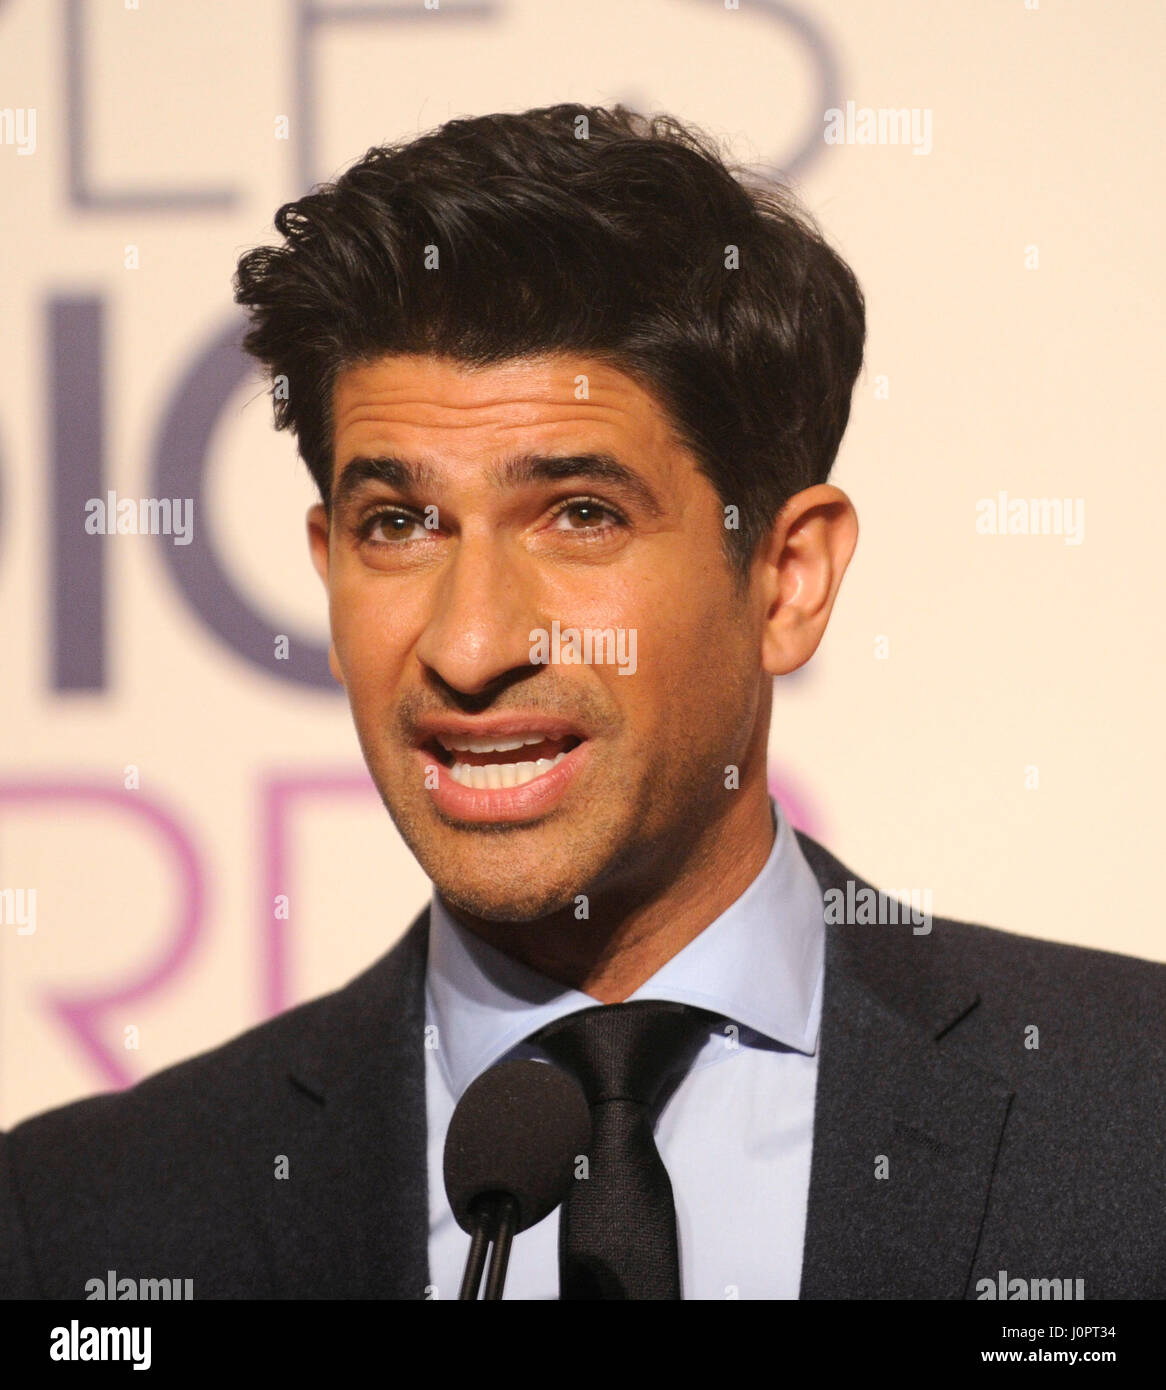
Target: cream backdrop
(982, 719)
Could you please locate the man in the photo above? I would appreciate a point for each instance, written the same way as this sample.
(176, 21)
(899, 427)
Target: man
(571, 392)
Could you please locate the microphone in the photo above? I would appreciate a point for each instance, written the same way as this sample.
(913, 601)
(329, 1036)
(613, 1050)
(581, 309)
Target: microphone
(510, 1157)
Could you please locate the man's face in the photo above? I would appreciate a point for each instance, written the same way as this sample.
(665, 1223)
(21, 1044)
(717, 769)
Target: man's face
(520, 779)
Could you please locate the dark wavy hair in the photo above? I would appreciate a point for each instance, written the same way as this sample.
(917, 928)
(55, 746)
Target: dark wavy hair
(595, 231)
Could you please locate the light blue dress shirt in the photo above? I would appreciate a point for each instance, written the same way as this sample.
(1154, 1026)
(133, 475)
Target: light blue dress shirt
(735, 1135)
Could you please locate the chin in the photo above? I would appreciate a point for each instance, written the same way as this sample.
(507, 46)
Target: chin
(494, 903)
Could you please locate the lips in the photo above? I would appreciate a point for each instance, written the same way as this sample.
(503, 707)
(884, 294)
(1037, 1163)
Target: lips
(504, 768)
(496, 726)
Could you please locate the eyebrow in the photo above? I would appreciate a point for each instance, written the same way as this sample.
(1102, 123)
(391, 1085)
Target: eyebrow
(417, 476)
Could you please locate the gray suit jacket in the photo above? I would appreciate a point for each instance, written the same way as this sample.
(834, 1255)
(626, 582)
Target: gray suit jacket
(1043, 1163)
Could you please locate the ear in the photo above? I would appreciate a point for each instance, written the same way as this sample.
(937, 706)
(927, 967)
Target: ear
(318, 534)
(318, 531)
(804, 560)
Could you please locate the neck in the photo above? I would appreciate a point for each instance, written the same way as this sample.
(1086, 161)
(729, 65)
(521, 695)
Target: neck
(628, 938)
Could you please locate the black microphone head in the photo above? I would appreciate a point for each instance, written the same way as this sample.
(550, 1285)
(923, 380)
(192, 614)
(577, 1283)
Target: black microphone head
(519, 1128)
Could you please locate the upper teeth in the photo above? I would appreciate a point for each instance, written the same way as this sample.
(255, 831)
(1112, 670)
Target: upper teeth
(487, 745)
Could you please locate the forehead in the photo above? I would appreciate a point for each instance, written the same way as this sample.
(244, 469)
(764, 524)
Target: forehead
(456, 410)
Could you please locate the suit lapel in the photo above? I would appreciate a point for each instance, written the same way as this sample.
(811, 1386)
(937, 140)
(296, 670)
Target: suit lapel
(906, 1131)
(352, 1219)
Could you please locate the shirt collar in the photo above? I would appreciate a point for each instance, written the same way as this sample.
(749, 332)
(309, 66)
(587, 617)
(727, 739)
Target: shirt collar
(758, 964)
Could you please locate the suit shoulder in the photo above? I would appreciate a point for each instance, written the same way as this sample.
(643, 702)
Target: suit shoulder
(213, 1079)
(1090, 992)
(1095, 1019)
(169, 1158)
(176, 1171)
(226, 1082)
(1039, 966)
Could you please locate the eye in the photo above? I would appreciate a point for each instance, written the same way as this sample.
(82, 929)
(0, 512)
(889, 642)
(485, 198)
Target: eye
(398, 526)
(588, 513)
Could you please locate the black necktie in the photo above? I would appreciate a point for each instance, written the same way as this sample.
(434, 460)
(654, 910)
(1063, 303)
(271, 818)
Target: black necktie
(617, 1231)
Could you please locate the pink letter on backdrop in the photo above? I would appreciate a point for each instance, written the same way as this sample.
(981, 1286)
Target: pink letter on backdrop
(83, 1014)
(277, 796)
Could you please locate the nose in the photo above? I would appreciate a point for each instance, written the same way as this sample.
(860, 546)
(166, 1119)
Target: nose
(480, 618)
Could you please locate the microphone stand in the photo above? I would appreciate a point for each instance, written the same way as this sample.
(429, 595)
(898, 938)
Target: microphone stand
(495, 1218)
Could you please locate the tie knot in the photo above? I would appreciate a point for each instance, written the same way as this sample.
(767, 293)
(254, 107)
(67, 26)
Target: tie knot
(626, 1051)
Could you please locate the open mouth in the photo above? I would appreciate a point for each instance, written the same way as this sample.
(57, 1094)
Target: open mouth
(497, 763)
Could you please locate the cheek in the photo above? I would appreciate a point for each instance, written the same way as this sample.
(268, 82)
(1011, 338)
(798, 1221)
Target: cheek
(692, 631)
(366, 639)
(693, 668)
(716, 674)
